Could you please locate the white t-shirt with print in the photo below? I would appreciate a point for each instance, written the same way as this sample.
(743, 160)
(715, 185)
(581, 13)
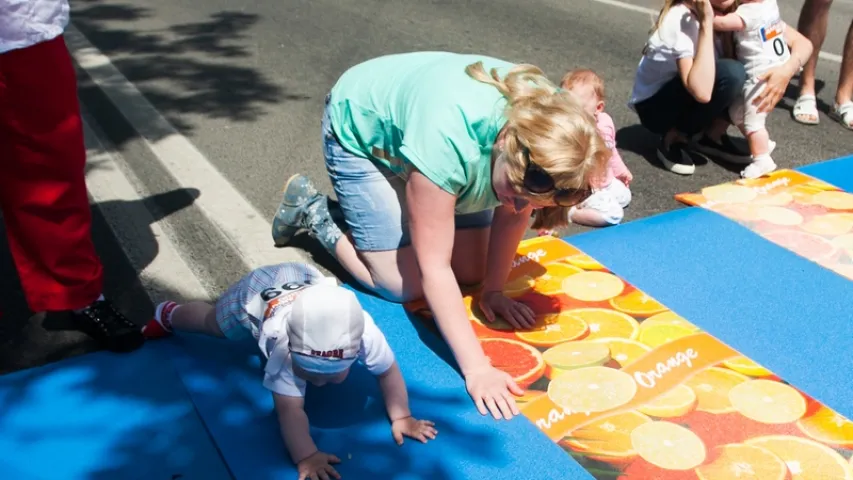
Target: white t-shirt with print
(272, 306)
(676, 38)
(761, 45)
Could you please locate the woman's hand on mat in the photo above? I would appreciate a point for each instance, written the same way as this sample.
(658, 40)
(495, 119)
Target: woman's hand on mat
(420, 430)
(516, 314)
(318, 467)
(492, 391)
(777, 80)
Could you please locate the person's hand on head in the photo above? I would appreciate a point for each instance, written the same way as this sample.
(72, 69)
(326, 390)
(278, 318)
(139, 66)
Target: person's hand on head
(420, 430)
(318, 467)
(704, 11)
(492, 391)
(515, 313)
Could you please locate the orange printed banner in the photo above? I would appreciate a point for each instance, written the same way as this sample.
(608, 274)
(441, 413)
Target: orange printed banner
(632, 390)
(807, 216)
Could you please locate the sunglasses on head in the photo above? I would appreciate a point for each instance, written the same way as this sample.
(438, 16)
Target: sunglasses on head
(538, 182)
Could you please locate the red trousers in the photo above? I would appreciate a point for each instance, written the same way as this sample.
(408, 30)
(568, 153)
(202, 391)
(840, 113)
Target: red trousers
(42, 179)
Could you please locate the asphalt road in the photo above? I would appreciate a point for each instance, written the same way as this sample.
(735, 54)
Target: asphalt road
(245, 82)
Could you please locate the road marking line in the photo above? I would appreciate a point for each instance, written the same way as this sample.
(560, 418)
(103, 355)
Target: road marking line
(167, 273)
(650, 11)
(226, 208)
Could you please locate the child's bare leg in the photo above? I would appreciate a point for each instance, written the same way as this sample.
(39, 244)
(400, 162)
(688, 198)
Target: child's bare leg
(588, 217)
(762, 162)
(196, 317)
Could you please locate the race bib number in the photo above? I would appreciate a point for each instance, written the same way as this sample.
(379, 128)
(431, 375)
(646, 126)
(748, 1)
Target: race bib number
(270, 299)
(773, 40)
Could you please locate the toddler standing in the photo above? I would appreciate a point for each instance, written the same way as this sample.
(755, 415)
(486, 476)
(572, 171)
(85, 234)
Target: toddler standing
(761, 45)
(611, 192)
(310, 330)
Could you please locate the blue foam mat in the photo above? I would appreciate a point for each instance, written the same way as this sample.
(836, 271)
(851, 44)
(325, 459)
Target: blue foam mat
(783, 311)
(348, 420)
(838, 172)
(103, 416)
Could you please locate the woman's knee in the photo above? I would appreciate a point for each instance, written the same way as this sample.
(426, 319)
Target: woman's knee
(730, 77)
(394, 275)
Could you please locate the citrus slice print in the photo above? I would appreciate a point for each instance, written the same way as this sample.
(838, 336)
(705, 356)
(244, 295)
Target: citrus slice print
(553, 328)
(607, 439)
(829, 225)
(476, 315)
(779, 216)
(768, 401)
(658, 334)
(593, 286)
(776, 199)
(669, 318)
(729, 193)
(804, 244)
(747, 367)
(828, 427)
(522, 361)
(712, 388)
(745, 212)
(528, 397)
(668, 446)
(551, 282)
(674, 403)
(806, 459)
(519, 286)
(834, 200)
(747, 462)
(572, 355)
(592, 389)
(584, 261)
(606, 323)
(622, 350)
(637, 304)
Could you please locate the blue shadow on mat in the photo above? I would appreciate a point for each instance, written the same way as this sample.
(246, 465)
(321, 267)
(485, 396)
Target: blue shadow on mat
(225, 381)
(783, 311)
(103, 417)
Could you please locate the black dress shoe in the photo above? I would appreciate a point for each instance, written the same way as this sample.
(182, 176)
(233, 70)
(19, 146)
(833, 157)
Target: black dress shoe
(109, 327)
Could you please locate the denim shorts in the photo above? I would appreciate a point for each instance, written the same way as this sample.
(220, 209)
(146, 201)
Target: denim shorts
(373, 198)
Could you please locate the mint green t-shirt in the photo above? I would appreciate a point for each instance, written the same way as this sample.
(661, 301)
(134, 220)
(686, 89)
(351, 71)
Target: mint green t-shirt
(422, 111)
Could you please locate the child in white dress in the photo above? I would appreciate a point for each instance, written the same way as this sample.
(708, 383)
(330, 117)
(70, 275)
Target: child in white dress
(761, 45)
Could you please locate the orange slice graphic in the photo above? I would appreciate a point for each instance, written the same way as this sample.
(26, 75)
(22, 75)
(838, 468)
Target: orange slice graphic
(523, 362)
(553, 328)
(747, 367)
(779, 216)
(607, 439)
(668, 446)
(551, 282)
(592, 389)
(729, 193)
(669, 318)
(827, 426)
(743, 462)
(834, 200)
(572, 355)
(519, 286)
(679, 401)
(584, 261)
(593, 286)
(767, 401)
(637, 304)
(623, 350)
(806, 459)
(712, 388)
(606, 323)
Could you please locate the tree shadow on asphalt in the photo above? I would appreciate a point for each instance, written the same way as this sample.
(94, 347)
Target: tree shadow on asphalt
(186, 69)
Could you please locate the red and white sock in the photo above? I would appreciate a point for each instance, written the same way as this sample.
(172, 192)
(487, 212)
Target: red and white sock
(161, 324)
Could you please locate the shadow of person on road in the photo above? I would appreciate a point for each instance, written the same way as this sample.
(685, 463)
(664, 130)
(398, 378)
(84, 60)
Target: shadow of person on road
(29, 339)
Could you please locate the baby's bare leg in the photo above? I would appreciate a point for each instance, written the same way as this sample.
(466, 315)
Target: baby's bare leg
(196, 317)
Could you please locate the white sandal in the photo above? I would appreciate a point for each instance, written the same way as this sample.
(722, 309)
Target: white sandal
(843, 114)
(805, 107)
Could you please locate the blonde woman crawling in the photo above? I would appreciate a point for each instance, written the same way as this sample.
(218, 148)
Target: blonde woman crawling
(438, 160)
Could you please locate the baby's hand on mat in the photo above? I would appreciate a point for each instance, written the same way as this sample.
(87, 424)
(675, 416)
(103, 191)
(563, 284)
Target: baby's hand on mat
(318, 467)
(421, 430)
